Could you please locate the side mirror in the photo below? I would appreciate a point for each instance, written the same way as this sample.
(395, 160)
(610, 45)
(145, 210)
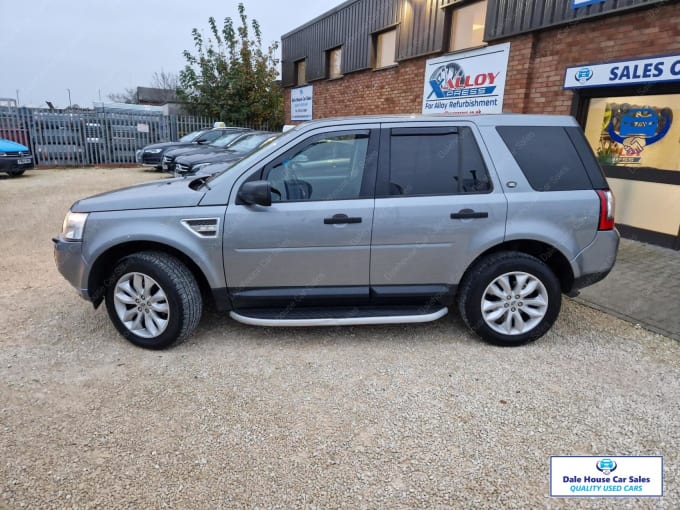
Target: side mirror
(201, 141)
(256, 193)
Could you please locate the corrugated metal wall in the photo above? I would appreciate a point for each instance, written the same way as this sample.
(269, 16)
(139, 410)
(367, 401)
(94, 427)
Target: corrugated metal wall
(421, 25)
(510, 17)
(351, 25)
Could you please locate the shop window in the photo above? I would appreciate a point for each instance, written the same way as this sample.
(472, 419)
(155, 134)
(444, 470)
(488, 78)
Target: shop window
(637, 131)
(334, 59)
(385, 48)
(467, 26)
(300, 72)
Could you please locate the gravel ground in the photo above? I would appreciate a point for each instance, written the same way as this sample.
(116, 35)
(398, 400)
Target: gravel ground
(415, 416)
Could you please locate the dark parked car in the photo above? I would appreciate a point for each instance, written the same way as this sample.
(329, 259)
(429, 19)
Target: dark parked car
(152, 155)
(15, 158)
(188, 164)
(221, 144)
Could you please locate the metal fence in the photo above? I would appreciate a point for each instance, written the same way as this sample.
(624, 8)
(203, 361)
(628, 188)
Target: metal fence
(78, 138)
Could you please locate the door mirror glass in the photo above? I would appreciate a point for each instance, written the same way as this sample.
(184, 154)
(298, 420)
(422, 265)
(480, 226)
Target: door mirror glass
(256, 193)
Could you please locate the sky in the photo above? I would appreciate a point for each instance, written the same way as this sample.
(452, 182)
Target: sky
(97, 47)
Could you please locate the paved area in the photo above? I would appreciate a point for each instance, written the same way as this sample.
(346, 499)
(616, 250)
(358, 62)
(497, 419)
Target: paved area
(643, 288)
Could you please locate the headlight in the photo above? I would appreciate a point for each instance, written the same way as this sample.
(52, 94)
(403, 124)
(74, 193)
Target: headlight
(153, 151)
(198, 167)
(3, 154)
(74, 224)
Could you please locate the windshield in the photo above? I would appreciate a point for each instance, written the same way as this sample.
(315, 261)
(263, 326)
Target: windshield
(249, 143)
(251, 158)
(191, 136)
(225, 140)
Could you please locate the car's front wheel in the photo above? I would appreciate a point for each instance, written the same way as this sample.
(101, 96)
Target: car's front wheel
(510, 298)
(153, 300)
(16, 173)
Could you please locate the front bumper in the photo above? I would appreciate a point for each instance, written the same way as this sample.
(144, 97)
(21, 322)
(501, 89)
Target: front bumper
(596, 260)
(149, 159)
(69, 259)
(11, 163)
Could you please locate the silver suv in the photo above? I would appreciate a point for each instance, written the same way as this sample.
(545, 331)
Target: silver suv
(365, 220)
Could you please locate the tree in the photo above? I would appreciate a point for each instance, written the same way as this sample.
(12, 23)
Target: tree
(165, 80)
(231, 77)
(127, 97)
(160, 80)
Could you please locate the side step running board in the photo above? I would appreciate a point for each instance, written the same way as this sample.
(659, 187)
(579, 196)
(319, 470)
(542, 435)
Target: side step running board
(338, 321)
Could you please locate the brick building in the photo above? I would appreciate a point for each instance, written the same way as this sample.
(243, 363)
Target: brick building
(613, 64)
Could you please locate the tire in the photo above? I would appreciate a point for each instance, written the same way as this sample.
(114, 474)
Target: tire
(168, 313)
(509, 322)
(16, 173)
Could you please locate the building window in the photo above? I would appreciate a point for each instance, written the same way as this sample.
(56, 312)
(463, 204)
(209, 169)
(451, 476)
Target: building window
(467, 26)
(334, 59)
(300, 72)
(385, 48)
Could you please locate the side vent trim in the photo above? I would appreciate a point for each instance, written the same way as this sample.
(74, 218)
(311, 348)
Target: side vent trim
(206, 228)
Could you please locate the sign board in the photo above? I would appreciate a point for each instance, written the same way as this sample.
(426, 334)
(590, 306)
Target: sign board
(627, 72)
(602, 477)
(575, 4)
(467, 83)
(142, 128)
(301, 100)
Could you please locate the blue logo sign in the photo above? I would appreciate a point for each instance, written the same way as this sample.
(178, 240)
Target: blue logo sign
(451, 81)
(584, 74)
(606, 466)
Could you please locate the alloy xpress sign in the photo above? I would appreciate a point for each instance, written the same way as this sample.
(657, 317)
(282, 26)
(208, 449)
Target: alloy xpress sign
(628, 72)
(301, 100)
(467, 83)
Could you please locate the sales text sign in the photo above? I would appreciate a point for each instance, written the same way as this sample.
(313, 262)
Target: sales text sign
(301, 100)
(606, 476)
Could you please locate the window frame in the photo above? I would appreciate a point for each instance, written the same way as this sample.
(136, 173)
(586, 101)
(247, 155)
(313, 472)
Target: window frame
(376, 47)
(368, 179)
(297, 63)
(384, 171)
(453, 9)
(329, 63)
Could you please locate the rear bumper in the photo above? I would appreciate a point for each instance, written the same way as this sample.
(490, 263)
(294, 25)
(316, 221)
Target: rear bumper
(70, 263)
(596, 261)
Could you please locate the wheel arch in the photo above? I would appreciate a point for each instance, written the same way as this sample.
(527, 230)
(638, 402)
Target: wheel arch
(104, 264)
(550, 255)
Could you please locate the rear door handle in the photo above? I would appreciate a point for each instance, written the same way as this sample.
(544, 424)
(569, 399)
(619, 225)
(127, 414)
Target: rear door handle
(338, 219)
(468, 214)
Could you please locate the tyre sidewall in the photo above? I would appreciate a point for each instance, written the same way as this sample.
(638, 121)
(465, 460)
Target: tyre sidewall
(527, 264)
(134, 264)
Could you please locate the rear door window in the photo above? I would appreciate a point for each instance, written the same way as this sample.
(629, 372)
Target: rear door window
(435, 161)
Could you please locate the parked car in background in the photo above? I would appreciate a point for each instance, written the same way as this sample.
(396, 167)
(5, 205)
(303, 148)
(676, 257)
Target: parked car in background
(15, 158)
(152, 155)
(220, 144)
(365, 220)
(188, 164)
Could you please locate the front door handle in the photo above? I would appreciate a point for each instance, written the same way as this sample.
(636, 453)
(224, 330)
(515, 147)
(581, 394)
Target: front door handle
(468, 214)
(338, 219)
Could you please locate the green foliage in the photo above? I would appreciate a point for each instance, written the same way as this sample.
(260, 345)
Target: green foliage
(230, 77)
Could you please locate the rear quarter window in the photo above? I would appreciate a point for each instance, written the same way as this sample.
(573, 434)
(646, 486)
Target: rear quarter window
(547, 157)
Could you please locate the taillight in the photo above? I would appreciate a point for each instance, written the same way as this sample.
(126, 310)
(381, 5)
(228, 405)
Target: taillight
(606, 209)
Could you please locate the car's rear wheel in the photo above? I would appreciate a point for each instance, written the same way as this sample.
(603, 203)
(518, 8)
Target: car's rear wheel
(510, 298)
(153, 300)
